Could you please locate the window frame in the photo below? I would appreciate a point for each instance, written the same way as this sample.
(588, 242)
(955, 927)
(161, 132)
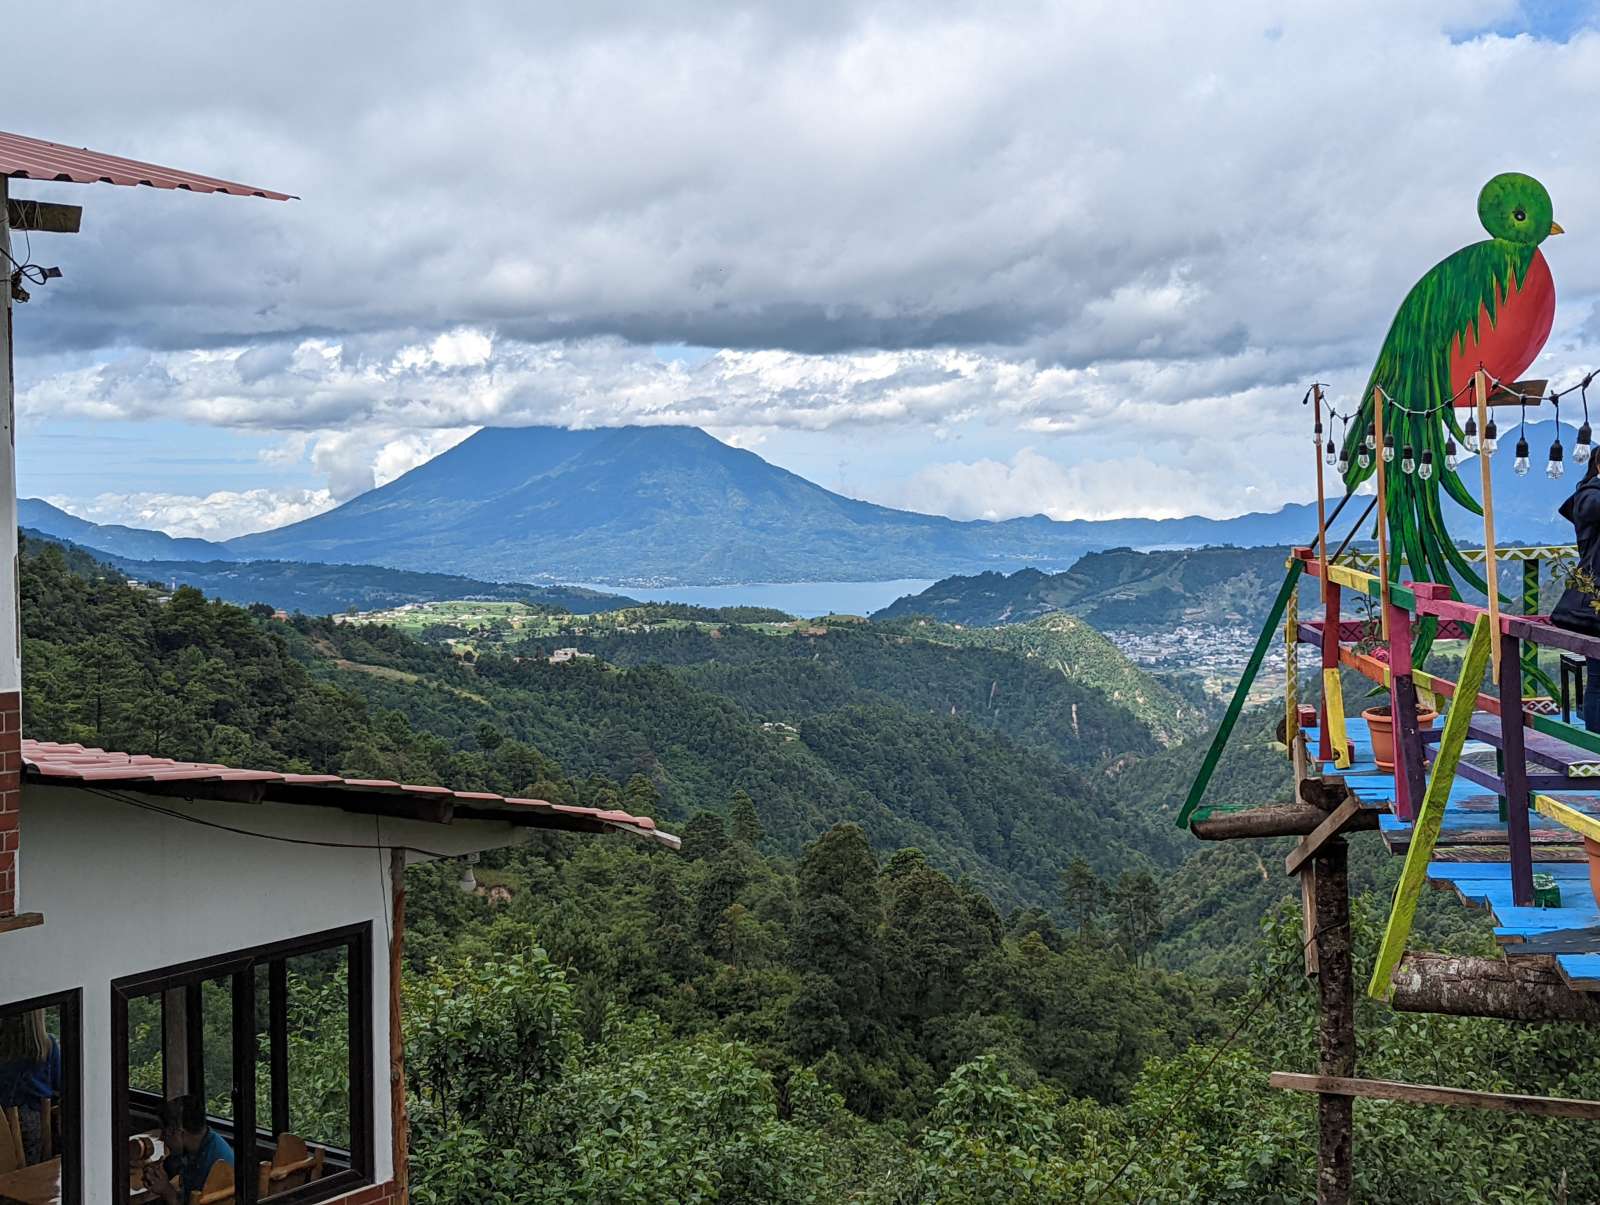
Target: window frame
(242, 967)
(70, 1039)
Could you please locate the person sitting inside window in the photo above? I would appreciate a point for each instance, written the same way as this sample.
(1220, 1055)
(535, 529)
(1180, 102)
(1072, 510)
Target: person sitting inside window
(30, 1074)
(194, 1148)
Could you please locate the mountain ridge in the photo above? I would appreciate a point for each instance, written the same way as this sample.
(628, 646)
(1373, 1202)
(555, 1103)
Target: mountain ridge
(674, 506)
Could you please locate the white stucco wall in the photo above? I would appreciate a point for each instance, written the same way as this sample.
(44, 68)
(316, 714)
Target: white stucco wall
(125, 891)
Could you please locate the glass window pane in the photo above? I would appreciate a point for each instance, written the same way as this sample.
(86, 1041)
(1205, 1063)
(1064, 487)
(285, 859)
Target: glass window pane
(316, 1051)
(33, 1083)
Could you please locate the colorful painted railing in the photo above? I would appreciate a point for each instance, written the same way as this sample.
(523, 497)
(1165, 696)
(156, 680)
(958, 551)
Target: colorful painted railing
(1382, 653)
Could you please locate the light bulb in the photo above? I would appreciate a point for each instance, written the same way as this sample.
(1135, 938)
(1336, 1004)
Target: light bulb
(1344, 462)
(1520, 467)
(1331, 453)
(1408, 460)
(1364, 458)
(1425, 469)
(1581, 449)
(1371, 440)
(1388, 449)
(1450, 460)
(1556, 467)
(1491, 437)
(1316, 433)
(1470, 434)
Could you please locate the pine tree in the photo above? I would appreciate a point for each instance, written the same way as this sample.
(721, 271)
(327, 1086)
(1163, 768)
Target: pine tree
(746, 824)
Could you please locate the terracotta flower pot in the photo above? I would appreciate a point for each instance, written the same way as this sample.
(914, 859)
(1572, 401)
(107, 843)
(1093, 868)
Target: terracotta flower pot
(1592, 848)
(1381, 729)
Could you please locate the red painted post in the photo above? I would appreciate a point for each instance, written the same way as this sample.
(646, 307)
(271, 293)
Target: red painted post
(1330, 658)
(1408, 772)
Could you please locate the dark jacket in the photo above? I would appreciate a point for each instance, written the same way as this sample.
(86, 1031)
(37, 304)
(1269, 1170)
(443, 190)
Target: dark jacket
(1575, 612)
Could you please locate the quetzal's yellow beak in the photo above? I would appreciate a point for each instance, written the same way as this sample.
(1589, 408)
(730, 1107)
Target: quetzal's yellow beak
(1555, 228)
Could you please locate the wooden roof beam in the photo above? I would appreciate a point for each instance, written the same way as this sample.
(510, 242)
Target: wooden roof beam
(43, 217)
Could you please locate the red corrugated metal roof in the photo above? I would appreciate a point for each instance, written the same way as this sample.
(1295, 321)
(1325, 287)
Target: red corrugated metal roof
(67, 765)
(27, 158)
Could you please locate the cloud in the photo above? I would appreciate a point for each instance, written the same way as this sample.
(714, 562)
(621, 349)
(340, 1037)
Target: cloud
(216, 516)
(1121, 487)
(1101, 230)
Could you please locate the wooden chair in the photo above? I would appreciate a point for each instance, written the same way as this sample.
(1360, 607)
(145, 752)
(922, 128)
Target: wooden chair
(218, 1188)
(293, 1164)
(12, 1156)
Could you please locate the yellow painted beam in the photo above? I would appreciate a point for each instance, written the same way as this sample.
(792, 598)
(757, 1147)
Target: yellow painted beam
(1430, 813)
(1567, 817)
(1333, 699)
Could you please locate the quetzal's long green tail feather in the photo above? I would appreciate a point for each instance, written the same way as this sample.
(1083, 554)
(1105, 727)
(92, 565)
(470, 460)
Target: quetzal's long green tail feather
(1413, 371)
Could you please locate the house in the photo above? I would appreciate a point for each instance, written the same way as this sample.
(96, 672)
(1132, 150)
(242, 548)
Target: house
(561, 656)
(165, 926)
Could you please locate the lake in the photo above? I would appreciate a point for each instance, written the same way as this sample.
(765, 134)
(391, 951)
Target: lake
(797, 598)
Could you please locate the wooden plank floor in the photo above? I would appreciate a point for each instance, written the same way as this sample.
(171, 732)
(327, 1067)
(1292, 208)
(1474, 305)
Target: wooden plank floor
(1471, 860)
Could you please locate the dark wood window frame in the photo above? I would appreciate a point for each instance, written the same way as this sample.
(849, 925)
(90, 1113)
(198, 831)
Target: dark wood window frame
(241, 967)
(71, 1041)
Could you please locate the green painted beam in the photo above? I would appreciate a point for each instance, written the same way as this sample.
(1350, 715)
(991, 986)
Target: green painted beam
(1425, 828)
(1269, 630)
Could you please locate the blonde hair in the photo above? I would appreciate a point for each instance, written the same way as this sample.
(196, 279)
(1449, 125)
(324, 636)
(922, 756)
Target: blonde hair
(24, 1037)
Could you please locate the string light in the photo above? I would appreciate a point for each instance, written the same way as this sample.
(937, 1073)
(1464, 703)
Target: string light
(1388, 449)
(1581, 449)
(1425, 469)
(1450, 458)
(1408, 460)
(1520, 465)
(1470, 434)
(1491, 438)
(1332, 453)
(1555, 468)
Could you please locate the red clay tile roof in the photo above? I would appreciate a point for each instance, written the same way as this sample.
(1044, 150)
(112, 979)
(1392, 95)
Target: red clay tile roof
(27, 158)
(57, 764)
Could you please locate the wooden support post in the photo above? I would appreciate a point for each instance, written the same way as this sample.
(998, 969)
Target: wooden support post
(1409, 778)
(1491, 569)
(1515, 772)
(1308, 915)
(1336, 1018)
(1330, 659)
(397, 1048)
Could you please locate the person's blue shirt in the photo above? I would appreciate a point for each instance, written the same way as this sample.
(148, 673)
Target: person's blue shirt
(196, 1167)
(29, 1084)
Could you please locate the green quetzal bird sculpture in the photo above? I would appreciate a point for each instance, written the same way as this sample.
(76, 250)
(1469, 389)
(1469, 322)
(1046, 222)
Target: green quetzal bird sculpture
(1490, 304)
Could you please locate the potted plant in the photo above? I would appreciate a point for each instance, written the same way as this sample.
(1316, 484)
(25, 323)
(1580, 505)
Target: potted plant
(1380, 725)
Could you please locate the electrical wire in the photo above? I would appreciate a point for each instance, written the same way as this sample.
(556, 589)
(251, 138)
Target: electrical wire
(117, 797)
(1183, 1095)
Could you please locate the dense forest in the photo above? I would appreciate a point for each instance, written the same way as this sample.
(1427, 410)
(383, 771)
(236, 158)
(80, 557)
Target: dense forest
(912, 950)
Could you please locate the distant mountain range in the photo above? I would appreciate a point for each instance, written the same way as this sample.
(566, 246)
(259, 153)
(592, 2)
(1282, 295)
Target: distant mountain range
(673, 506)
(317, 589)
(1118, 589)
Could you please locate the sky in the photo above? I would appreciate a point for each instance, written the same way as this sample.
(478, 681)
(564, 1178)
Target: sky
(979, 260)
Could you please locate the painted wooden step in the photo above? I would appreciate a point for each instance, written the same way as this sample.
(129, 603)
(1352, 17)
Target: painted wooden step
(1545, 750)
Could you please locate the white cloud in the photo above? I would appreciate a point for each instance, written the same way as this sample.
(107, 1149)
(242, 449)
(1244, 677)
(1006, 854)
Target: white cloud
(1121, 487)
(1108, 231)
(216, 516)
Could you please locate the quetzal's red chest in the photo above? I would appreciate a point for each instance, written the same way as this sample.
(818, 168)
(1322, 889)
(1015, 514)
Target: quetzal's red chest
(1506, 346)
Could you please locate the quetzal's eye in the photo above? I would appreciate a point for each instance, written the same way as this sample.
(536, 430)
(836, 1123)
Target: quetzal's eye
(1520, 214)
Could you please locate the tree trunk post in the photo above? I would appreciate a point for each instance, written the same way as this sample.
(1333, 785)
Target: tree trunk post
(1336, 1019)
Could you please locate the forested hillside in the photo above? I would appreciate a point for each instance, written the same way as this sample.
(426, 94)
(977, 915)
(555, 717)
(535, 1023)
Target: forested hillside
(905, 956)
